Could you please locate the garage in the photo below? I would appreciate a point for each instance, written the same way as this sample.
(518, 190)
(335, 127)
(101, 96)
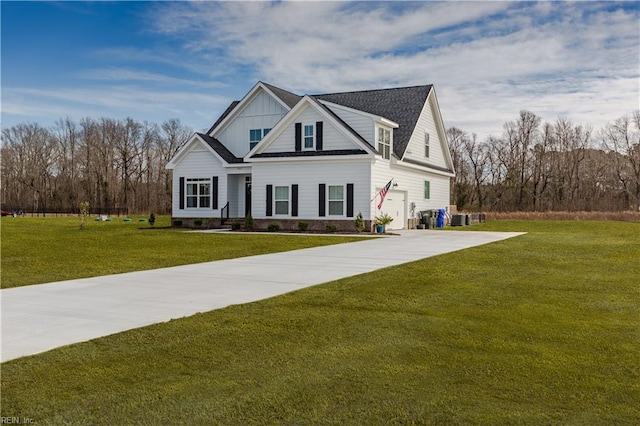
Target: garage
(394, 205)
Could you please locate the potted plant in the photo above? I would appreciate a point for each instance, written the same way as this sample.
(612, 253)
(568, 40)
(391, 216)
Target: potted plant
(382, 222)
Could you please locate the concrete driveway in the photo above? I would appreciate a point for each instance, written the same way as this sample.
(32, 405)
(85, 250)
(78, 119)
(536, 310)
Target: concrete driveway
(41, 317)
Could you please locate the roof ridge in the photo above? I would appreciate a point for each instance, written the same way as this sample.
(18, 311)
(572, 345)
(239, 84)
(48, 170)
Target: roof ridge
(277, 87)
(374, 90)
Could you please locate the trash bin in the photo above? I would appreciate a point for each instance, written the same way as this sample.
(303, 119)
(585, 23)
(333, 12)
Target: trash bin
(467, 219)
(429, 219)
(441, 215)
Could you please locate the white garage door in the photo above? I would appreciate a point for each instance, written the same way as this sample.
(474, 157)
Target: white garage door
(394, 206)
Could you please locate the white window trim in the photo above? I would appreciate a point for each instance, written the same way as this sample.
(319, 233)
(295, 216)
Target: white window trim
(378, 143)
(343, 200)
(197, 182)
(313, 137)
(276, 199)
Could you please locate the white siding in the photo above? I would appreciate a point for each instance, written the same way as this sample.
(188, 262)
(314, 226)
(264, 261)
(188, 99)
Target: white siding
(416, 148)
(308, 175)
(361, 123)
(199, 163)
(262, 112)
(412, 183)
(332, 138)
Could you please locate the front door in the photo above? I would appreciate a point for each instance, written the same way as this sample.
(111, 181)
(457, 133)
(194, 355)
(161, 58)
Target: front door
(247, 196)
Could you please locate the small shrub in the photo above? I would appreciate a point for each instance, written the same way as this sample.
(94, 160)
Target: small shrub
(359, 222)
(235, 226)
(273, 227)
(331, 228)
(177, 223)
(197, 222)
(248, 222)
(303, 226)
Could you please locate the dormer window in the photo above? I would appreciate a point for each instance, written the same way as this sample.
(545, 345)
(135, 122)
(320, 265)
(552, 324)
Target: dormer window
(384, 142)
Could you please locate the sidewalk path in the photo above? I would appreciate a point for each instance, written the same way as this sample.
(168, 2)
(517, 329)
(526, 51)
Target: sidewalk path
(41, 317)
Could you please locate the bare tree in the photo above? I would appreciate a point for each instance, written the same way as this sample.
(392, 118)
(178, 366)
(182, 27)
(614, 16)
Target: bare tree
(622, 139)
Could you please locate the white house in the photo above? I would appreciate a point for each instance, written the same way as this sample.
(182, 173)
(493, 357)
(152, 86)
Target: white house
(320, 159)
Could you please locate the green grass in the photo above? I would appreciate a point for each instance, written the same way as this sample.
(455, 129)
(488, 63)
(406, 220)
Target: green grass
(539, 329)
(40, 250)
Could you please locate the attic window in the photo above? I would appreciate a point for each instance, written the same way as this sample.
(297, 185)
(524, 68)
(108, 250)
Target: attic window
(308, 136)
(384, 143)
(426, 145)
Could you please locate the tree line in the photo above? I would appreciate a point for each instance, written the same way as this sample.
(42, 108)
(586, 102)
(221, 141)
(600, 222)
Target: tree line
(541, 166)
(120, 165)
(115, 165)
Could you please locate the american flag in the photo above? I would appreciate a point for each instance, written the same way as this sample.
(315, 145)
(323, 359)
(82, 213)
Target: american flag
(383, 193)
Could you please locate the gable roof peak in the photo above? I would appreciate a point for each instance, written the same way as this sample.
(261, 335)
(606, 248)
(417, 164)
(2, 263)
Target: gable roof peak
(285, 96)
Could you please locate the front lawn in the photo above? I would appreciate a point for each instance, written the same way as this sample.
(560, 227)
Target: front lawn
(40, 250)
(538, 329)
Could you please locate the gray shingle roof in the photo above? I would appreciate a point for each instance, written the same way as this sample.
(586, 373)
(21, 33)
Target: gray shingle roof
(222, 150)
(287, 97)
(226, 112)
(402, 105)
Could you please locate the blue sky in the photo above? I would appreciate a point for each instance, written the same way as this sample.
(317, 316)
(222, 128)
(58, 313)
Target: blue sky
(158, 60)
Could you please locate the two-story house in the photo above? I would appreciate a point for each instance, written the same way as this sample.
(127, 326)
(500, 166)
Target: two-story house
(284, 158)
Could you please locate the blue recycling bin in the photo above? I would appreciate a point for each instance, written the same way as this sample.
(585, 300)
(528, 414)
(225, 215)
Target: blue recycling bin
(441, 214)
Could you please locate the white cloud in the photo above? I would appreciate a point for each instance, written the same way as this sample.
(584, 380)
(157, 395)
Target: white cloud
(128, 75)
(197, 110)
(487, 60)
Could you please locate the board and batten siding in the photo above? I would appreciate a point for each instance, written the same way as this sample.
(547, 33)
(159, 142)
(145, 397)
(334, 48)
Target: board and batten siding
(198, 162)
(332, 138)
(308, 175)
(426, 123)
(262, 112)
(412, 183)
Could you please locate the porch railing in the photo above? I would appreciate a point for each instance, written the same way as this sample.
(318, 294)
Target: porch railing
(223, 212)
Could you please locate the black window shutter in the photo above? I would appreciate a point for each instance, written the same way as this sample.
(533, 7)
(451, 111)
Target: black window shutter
(349, 200)
(294, 200)
(214, 193)
(181, 193)
(322, 196)
(298, 136)
(269, 200)
(318, 135)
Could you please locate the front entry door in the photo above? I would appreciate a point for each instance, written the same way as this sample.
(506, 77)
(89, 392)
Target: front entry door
(247, 196)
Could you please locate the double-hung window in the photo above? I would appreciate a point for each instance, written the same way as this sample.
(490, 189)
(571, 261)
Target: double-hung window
(427, 190)
(336, 200)
(282, 199)
(384, 142)
(198, 192)
(308, 136)
(256, 135)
